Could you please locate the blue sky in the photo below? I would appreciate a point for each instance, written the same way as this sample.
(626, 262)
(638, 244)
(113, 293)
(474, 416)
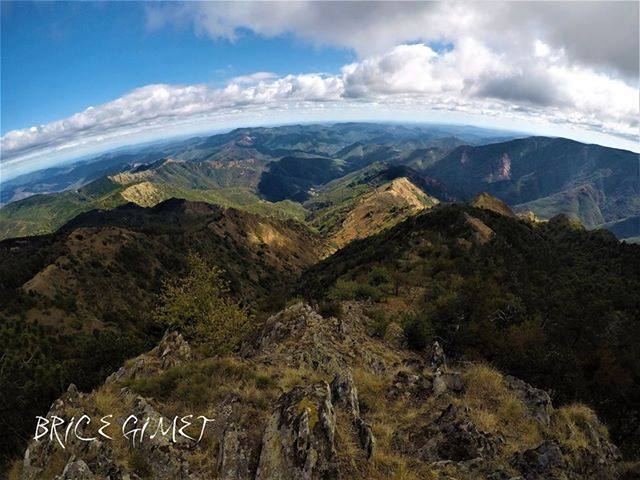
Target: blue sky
(59, 58)
(81, 78)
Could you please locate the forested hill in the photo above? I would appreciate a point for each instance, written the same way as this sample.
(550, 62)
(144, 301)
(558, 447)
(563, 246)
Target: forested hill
(550, 302)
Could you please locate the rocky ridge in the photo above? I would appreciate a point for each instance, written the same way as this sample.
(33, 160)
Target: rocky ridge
(319, 397)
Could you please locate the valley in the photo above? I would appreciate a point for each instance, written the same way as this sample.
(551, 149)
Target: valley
(285, 171)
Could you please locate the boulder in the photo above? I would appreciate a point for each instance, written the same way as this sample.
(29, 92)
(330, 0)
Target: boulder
(344, 393)
(539, 463)
(452, 436)
(76, 470)
(537, 401)
(436, 357)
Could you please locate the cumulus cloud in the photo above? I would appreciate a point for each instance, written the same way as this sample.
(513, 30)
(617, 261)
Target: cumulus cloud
(599, 35)
(512, 61)
(163, 104)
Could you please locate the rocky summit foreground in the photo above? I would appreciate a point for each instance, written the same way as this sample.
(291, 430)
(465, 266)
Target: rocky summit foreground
(318, 396)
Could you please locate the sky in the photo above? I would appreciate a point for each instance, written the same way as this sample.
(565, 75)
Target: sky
(79, 78)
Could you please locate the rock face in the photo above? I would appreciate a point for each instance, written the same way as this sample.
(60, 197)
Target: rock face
(298, 442)
(317, 398)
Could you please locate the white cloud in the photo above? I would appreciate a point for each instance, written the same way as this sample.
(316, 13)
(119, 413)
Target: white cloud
(510, 61)
(598, 35)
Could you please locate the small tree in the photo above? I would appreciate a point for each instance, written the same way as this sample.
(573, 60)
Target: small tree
(199, 306)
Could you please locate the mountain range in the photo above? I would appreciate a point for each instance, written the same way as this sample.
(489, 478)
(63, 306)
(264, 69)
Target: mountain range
(548, 302)
(418, 302)
(284, 170)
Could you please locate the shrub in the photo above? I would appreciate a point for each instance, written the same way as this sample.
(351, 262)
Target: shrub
(330, 309)
(200, 307)
(418, 331)
(351, 290)
(379, 323)
(379, 276)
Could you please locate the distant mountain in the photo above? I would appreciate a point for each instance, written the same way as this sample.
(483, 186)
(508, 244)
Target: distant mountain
(276, 170)
(253, 146)
(548, 176)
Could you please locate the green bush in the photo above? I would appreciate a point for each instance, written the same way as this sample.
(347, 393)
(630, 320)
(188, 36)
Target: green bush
(379, 276)
(418, 331)
(350, 290)
(199, 306)
(330, 309)
(379, 322)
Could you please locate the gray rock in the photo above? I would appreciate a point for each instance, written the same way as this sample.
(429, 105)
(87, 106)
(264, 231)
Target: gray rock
(367, 439)
(233, 457)
(344, 393)
(437, 358)
(173, 350)
(537, 401)
(443, 382)
(537, 463)
(453, 436)
(76, 470)
(299, 440)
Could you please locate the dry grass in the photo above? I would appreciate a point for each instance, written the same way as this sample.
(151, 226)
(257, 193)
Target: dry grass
(385, 416)
(288, 378)
(371, 389)
(203, 460)
(15, 471)
(108, 400)
(55, 464)
(496, 409)
(570, 425)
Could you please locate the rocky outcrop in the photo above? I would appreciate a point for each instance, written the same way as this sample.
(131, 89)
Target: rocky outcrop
(313, 397)
(172, 351)
(300, 336)
(537, 401)
(298, 442)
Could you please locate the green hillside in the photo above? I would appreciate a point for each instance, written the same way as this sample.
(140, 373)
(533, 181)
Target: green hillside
(551, 303)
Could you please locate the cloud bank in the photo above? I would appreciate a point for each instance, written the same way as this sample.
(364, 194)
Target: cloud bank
(513, 61)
